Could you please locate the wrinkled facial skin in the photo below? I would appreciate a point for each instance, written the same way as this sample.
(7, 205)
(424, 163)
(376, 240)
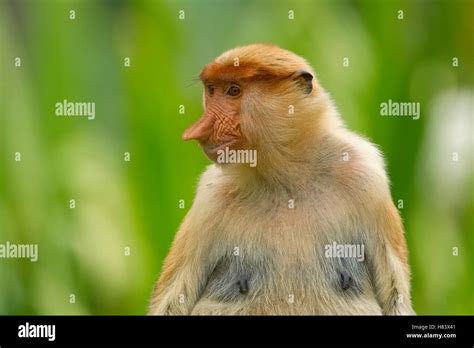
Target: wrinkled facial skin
(219, 126)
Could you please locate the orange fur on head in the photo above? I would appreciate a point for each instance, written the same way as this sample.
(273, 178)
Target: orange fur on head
(254, 62)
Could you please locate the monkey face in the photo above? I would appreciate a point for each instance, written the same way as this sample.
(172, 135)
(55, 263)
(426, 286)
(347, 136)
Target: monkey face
(248, 93)
(219, 126)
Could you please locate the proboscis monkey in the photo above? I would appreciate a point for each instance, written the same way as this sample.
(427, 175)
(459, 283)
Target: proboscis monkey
(310, 229)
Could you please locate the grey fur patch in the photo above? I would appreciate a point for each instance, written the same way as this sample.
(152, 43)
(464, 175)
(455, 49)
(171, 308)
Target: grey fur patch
(346, 280)
(348, 276)
(232, 280)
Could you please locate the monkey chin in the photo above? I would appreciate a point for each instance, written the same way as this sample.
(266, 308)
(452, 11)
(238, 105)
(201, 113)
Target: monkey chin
(212, 150)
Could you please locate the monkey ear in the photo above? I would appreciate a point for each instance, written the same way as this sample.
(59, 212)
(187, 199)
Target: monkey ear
(305, 80)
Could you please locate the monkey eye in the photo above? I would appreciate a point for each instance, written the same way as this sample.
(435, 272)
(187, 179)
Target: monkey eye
(210, 89)
(233, 90)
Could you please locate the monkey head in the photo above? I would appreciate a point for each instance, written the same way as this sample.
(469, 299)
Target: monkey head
(254, 98)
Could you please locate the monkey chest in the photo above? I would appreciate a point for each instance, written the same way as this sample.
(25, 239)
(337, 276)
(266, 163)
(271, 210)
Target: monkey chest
(240, 279)
(276, 255)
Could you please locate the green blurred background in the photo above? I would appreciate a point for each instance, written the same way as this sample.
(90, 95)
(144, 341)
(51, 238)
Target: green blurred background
(135, 204)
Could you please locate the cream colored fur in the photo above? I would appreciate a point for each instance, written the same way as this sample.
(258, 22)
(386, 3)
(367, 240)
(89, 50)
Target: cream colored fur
(300, 158)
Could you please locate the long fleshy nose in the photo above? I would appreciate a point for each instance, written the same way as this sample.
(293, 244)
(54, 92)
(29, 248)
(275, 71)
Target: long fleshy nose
(201, 130)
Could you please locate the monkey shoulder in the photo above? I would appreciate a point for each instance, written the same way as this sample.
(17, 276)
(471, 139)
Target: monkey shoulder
(351, 184)
(355, 166)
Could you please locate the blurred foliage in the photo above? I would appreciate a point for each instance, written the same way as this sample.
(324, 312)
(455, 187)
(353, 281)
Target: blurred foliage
(135, 204)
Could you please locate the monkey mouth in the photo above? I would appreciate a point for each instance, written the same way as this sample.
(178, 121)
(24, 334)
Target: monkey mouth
(212, 150)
